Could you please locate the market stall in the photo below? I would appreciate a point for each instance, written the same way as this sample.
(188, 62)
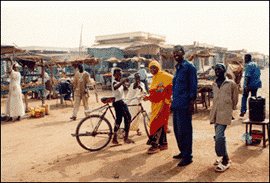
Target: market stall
(71, 62)
(29, 61)
(107, 77)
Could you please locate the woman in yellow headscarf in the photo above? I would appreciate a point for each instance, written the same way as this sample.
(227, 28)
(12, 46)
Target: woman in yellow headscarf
(160, 93)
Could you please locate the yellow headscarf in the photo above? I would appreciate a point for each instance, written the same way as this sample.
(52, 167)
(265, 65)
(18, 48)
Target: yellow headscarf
(161, 78)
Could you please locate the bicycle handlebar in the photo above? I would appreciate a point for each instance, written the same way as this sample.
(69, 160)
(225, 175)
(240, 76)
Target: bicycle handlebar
(106, 105)
(138, 97)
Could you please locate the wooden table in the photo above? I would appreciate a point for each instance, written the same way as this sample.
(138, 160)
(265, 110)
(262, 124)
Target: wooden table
(264, 124)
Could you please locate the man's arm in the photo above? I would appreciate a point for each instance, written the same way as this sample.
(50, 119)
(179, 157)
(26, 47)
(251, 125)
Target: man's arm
(248, 74)
(193, 87)
(75, 81)
(120, 84)
(247, 82)
(234, 95)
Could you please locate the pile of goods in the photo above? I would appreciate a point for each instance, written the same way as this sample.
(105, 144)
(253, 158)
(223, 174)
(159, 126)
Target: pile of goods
(109, 74)
(31, 85)
(205, 83)
(4, 87)
(39, 111)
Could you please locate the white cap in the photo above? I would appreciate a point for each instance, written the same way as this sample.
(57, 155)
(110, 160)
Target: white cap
(142, 65)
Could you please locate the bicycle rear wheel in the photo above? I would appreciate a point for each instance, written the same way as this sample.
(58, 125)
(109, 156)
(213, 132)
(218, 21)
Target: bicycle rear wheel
(146, 120)
(94, 133)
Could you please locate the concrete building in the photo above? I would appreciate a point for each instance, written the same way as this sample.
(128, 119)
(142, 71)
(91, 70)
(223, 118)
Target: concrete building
(126, 45)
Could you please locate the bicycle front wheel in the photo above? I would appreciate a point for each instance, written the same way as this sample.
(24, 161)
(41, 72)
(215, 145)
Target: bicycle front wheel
(146, 120)
(94, 133)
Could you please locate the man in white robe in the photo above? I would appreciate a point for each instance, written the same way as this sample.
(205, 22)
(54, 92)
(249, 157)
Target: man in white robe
(14, 105)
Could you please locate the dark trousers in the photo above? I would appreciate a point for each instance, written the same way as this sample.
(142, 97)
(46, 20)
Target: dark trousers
(245, 97)
(121, 110)
(182, 124)
(159, 137)
(146, 85)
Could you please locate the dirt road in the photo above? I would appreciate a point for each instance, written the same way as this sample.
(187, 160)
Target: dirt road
(44, 150)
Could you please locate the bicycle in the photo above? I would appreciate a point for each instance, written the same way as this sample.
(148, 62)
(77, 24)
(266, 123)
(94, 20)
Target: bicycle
(99, 129)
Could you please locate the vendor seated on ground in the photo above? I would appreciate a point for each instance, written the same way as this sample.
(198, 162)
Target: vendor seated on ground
(65, 89)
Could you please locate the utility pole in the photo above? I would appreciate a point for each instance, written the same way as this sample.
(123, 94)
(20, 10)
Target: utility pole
(80, 46)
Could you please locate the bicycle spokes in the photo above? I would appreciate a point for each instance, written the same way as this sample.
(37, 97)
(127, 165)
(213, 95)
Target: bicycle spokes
(94, 133)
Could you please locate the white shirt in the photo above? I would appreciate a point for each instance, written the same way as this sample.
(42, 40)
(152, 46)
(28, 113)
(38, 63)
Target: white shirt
(134, 93)
(143, 74)
(119, 93)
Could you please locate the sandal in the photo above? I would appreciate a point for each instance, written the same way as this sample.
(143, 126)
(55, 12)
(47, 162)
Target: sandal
(128, 141)
(116, 143)
(218, 161)
(153, 150)
(221, 168)
(139, 133)
(163, 147)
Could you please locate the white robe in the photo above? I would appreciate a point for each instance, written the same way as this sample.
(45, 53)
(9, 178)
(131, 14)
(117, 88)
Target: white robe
(14, 105)
(135, 109)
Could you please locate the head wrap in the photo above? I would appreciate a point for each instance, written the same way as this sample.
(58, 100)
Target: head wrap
(155, 63)
(161, 79)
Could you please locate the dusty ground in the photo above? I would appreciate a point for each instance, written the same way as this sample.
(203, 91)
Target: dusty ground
(43, 150)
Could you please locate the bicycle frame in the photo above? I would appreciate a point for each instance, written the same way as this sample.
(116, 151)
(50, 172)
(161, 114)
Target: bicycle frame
(107, 106)
(92, 130)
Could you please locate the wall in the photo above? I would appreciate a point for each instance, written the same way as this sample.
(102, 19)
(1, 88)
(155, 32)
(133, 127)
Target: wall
(103, 54)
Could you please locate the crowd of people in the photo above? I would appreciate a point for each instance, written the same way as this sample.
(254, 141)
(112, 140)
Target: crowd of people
(166, 92)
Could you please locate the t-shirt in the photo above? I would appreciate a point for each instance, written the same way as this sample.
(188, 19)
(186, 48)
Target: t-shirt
(143, 74)
(253, 71)
(119, 93)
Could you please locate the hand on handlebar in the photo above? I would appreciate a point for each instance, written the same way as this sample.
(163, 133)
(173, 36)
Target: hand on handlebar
(145, 97)
(125, 80)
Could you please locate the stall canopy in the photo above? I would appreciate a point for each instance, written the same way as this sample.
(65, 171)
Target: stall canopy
(190, 55)
(81, 59)
(139, 59)
(5, 49)
(29, 60)
(113, 60)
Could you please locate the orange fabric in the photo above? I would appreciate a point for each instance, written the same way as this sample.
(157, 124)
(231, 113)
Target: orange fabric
(160, 96)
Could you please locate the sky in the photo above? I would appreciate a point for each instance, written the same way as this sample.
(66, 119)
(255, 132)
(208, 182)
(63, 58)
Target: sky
(235, 25)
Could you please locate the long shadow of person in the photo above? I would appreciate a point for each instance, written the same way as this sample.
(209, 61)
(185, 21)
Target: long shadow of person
(62, 164)
(209, 175)
(158, 174)
(243, 153)
(121, 168)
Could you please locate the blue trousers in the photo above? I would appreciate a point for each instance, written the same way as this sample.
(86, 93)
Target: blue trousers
(182, 124)
(220, 140)
(245, 97)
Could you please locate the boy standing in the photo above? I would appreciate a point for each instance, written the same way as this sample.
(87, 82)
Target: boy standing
(120, 106)
(135, 90)
(224, 102)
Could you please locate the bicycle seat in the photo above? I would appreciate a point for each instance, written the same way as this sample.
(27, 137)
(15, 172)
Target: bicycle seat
(106, 100)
